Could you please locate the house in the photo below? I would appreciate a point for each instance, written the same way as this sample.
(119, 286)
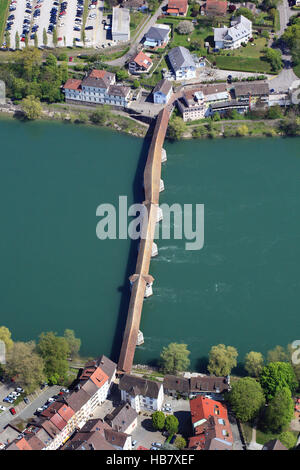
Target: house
(216, 7)
(197, 103)
(140, 63)
(177, 7)
(209, 384)
(120, 24)
(96, 434)
(212, 430)
(162, 92)
(182, 63)
(98, 87)
(157, 36)
(174, 386)
(233, 37)
(274, 444)
(135, 5)
(252, 94)
(142, 394)
(123, 419)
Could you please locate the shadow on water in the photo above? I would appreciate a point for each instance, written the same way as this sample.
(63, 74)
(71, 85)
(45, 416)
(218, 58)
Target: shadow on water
(138, 197)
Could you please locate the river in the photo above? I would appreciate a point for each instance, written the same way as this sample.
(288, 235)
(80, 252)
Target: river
(241, 289)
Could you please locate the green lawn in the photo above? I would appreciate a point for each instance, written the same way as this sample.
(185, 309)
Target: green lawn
(3, 16)
(136, 19)
(243, 64)
(263, 437)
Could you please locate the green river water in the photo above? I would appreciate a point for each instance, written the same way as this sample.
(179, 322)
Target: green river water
(241, 289)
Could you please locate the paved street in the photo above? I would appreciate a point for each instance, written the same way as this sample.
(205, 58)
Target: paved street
(25, 412)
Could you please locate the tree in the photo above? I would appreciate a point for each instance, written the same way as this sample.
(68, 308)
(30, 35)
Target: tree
(245, 12)
(222, 359)
(45, 37)
(242, 131)
(274, 112)
(196, 45)
(100, 116)
(36, 42)
(216, 116)
(171, 424)
(24, 362)
(180, 442)
(254, 363)
(276, 376)
(121, 75)
(177, 128)
(198, 132)
(54, 37)
(278, 354)
(288, 439)
(136, 84)
(73, 342)
(5, 336)
(246, 398)
(26, 40)
(175, 358)
(31, 107)
(280, 411)
(158, 420)
(273, 56)
(185, 27)
(7, 39)
(55, 351)
(82, 118)
(17, 40)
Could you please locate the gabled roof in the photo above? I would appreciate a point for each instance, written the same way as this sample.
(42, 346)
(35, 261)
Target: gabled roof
(180, 57)
(178, 5)
(158, 33)
(122, 417)
(142, 60)
(139, 386)
(240, 27)
(274, 444)
(98, 79)
(106, 365)
(251, 88)
(72, 84)
(163, 86)
(180, 384)
(216, 7)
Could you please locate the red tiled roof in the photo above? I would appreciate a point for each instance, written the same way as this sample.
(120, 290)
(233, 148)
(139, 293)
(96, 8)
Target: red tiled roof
(22, 444)
(143, 60)
(98, 73)
(72, 84)
(180, 5)
(216, 6)
(97, 376)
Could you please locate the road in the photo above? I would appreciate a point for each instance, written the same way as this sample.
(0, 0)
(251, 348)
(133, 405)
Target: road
(133, 48)
(24, 412)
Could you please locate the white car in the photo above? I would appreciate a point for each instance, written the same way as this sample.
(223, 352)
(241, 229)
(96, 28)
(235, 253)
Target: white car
(134, 443)
(156, 444)
(51, 400)
(2, 408)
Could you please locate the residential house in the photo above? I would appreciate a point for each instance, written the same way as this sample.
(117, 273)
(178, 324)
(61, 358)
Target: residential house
(252, 94)
(182, 63)
(123, 419)
(233, 37)
(212, 430)
(142, 394)
(216, 7)
(174, 386)
(141, 63)
(120, 24)
(177, 7)
(98, 435)
(98, 87)
(197, 102)
(157, 36)
(274, 444)
(162, 92)
(209, 384)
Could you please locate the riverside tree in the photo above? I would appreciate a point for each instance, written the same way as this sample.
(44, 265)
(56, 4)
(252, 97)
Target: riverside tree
(31, 107)
(280, 411)
(246, 398)
(23, 361)
(276, 376)
(254, 363)
(278, 354)
(73, 343)
(175, 358)
(222, 359)
(55, 351)
(5, 336)
(176, 128)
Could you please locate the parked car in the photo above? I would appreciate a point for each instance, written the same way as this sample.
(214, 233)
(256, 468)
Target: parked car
(134, 443)
(2, 408)
(26, 400)
(12, 410)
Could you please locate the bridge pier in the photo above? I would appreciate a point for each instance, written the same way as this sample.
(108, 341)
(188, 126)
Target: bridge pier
(154, 250)
(161, 185)
(163, 156)
(140, 339)
(159, 215)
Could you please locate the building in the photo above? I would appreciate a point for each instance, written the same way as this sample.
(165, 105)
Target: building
(252, 94)
(98, 435)
(123, 419)
(57, 423)
(209, 384)
(120, 24)
(182, 63)
(174, 386)
(157, 36)
(216, 7)
(197, 103)
(177, 7)
(140, 393)
(212, 430)
(274, 444)
(233, 37)
(162, 92)
(141, 63)
(98, 87)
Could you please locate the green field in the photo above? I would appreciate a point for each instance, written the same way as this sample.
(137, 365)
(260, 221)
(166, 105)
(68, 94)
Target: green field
(3, 16)
(242, 64)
